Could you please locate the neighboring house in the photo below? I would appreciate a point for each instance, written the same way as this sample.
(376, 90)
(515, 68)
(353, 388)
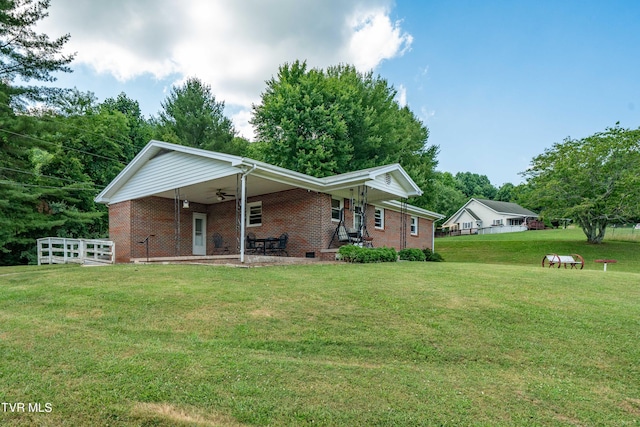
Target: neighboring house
(176, 198)
(480, 216)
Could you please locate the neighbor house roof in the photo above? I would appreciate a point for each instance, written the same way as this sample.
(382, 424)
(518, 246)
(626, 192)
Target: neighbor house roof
(162, 167)
(506, 207)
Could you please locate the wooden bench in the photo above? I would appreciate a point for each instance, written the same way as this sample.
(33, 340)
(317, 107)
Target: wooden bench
(554, 259)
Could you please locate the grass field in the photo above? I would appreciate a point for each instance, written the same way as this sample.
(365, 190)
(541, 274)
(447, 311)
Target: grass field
(528, 249)
(453, 343)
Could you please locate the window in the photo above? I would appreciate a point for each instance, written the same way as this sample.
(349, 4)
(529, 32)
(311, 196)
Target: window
(414, 225)
(497, 222)
(254, 214)
(467, 225)
(336, 207)
(379, 218)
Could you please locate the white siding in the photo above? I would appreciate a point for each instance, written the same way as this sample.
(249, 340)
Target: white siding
(388, 183)
(169, 171)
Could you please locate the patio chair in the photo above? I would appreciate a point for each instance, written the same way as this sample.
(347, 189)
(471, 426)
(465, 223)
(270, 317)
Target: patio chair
(219, 245)
(280, 246)
(252, 245)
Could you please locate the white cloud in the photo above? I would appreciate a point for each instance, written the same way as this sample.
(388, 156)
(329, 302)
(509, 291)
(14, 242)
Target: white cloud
(401, 96)
(375, 38)
(232, 45)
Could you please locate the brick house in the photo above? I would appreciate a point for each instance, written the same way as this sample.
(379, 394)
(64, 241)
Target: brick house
(176, 198)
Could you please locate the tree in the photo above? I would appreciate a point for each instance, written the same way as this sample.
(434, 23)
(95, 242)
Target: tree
(339, 120)
(300, 123)
(191, 116)
(24, 55)
(475, 185)
(506, 193)
(140, 130)
(592, 180)
(447, 196)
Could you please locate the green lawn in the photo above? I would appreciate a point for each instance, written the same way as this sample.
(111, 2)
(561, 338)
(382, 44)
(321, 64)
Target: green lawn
(384, 344)
(528, 249)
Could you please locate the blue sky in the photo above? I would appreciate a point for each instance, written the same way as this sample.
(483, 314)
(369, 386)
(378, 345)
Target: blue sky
(496, 82)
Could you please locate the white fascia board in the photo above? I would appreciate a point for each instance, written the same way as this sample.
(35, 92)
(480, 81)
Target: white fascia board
(368, 176)
(145, 154)
(457, 214)
(284, 176)
(410, 209)
(233, 160)
(150, 150)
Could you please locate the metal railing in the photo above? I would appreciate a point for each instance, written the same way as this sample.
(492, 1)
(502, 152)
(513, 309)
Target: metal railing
(60, 250)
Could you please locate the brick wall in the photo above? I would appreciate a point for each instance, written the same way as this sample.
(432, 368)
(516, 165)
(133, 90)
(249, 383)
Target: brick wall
(120, 229)
(390, 235)
(304, 215)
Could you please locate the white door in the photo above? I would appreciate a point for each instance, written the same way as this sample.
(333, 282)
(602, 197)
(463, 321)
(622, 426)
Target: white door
(199, 233)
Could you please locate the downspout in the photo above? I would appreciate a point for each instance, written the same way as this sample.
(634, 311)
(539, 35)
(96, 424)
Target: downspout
(243, 203)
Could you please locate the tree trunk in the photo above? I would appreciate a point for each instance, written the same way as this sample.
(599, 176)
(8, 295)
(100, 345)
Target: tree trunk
(593, 229)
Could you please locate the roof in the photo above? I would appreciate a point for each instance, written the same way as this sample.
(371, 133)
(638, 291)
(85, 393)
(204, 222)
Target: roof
(162, 167)
(506, 207)
(470, 212)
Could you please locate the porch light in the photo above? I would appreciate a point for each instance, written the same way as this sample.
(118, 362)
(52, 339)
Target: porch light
(185, 204)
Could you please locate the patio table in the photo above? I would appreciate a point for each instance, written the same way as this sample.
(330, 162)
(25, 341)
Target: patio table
(266, 241)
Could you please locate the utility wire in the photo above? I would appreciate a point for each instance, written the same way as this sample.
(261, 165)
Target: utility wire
(51, 120)
(66, 148)
(21, 184)
(41, 175)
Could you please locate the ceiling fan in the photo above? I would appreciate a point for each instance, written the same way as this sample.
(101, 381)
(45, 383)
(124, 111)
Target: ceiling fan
(221, 195)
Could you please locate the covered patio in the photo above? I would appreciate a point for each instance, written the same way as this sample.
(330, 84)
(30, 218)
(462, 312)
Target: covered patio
(182, 203)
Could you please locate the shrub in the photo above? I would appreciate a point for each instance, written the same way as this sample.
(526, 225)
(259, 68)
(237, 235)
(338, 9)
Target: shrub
(432, 256)
(353, 253)
(411, 254)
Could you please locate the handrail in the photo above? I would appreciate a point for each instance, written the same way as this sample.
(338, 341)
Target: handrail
(62, 250)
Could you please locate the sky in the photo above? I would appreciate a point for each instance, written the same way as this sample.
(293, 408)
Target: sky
(495, 81)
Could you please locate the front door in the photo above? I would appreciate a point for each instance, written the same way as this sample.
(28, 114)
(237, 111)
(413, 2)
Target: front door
(199, 234)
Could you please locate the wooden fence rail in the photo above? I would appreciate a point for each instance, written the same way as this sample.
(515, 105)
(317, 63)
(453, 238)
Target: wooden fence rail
(59, 250)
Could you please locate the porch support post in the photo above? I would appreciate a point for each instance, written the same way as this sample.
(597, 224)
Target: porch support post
(243, 210)
(243, 202)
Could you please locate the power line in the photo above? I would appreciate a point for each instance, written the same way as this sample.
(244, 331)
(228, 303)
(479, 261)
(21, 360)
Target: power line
(41, 175)
(50, 120)
(67, 148)
(21, 184)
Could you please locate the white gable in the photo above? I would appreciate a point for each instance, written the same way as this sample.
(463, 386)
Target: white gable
(171, 170)
(389, 183)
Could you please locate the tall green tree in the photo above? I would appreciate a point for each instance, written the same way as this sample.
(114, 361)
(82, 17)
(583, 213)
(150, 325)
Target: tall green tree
(301, 124)
(191, 116)
(339, 120)
(447, 196)
(593, 180)
(506, 193)
(140, 129)
(25, 55)
(475, 185)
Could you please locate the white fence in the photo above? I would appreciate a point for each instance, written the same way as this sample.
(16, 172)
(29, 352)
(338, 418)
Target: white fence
(58, 250)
